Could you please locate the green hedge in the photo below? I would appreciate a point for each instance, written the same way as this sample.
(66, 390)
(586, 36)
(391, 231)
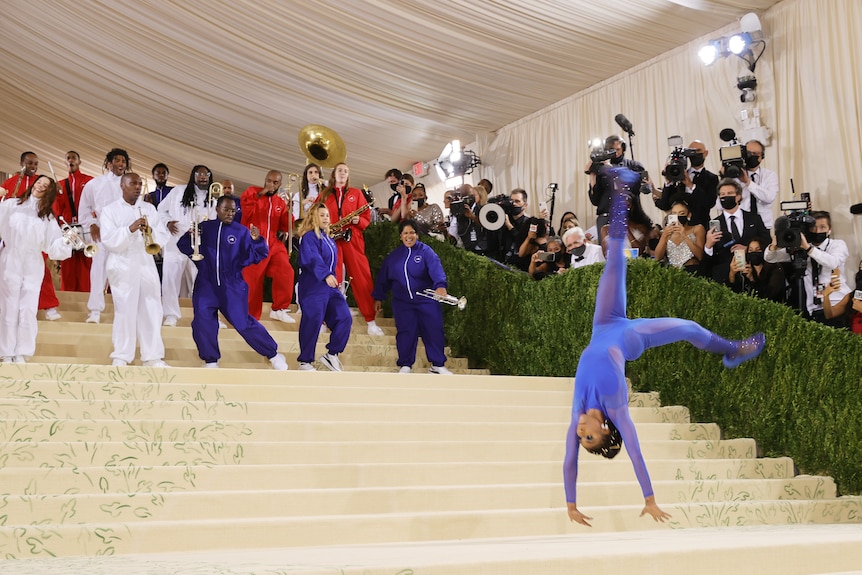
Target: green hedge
(801, 398)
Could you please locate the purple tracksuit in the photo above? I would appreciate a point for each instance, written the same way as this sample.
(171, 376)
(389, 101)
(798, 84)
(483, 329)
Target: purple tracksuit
(219, 286)
(320, 303)
(407, 271)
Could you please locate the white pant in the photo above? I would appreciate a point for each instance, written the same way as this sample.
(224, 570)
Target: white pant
(98, 280)
(137, 308)
(178, 277)
(19, 298)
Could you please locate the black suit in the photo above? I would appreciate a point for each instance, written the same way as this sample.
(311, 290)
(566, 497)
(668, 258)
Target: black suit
(719, 263)
(700, 201)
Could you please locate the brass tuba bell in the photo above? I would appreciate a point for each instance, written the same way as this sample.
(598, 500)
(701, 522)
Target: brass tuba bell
(322, 145)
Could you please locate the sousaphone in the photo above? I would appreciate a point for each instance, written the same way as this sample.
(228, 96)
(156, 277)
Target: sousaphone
(321, 145)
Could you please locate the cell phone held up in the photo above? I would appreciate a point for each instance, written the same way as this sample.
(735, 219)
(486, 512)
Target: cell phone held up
(672, 220)
(739, 259)
(714, 225)
(546, 257)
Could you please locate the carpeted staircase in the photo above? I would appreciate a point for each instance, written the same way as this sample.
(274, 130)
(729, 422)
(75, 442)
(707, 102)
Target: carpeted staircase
(249, 470)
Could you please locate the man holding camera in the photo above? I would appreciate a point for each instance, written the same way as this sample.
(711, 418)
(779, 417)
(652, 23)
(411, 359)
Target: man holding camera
(736, 225)
(518, 229)
(600, 196)
(758, 183)
(825, 260)
(699, 187)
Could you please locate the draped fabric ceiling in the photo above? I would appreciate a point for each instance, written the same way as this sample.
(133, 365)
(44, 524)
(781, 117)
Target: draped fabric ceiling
(230, 84)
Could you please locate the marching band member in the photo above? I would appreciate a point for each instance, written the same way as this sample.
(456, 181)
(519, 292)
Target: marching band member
(227, 248)
(27, 229)
(310, 187)
(408, 270)
(227, 190)
(160, 177)
(318, 292)
(132, 274)
(75, 272)
(267, 211)
(343, 200)
(98, 193)
(183, 206)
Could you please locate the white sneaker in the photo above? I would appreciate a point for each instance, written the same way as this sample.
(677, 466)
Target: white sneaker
(440, 370)
(374, 329)
(281, 315)
(155, 363)
(211, 365)
(52, 314)
(94, 317)
(170, 321)
(8, 359)
(323, 329)
(406, 369)
(278, 362)
(18, 359)
(305, 366)
(332, 362)
(119, 363)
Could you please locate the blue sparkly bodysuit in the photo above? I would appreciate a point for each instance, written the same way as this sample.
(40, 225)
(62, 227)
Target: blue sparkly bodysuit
(600, 381)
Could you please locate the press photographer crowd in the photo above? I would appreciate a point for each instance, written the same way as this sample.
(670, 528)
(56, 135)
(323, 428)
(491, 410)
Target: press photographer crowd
(714, 225)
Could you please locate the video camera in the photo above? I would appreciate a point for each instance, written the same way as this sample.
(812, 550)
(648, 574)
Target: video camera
(459, 202)
(674, 171)
(789, 228)
(599, 154)
(733, 155)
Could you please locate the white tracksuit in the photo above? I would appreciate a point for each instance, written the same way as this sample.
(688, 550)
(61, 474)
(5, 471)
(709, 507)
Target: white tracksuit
(134, 280)
(25, 236)
(98, 193)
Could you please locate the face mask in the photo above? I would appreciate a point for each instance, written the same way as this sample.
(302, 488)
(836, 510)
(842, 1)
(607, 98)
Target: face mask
(728, 202)
(752, 162)
(616, 160)
(408, 189)
(578, 251)
(697, 160)
(755, 258)
(859, 279)
(816, 238)
(683, 220)
(394, 186)
(516, 210)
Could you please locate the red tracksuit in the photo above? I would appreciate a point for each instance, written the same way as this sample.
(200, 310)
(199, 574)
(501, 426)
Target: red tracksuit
(352, 253)
(75, 271)
(270, 215)
(47, 297)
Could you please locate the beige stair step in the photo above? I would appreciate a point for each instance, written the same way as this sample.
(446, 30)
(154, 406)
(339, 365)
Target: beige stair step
(127, 477)
(275, 503)
(182, 535)
(274, 430)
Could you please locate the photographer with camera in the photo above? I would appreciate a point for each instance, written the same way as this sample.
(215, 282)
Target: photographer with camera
(824, 256)
(581, 252)
(614, 153)
(850, 306)
(401, 205)
(696, 185)
(757, 182)
(736, 225)
(517, 230)
(393, 178)
(464, 225)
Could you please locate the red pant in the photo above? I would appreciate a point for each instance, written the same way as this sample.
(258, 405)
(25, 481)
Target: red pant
(47, 296)
(276, 266)
(75, 273)
(352, 255)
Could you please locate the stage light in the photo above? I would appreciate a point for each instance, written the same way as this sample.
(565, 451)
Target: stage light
(455, 161)
(739, 44)
(708, 54)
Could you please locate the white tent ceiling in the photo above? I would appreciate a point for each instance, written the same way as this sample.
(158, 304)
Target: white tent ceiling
(230, 84)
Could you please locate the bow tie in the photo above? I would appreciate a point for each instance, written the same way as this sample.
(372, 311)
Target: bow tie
(579, 258)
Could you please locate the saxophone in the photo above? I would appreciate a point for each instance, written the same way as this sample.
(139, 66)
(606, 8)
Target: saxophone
(339, 231)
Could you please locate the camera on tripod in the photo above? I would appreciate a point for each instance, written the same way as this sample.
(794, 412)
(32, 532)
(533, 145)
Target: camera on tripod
(733, 155)
(790, 227)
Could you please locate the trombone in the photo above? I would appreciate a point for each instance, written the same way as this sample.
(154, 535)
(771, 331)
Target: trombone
(459, 302)
(292, 178)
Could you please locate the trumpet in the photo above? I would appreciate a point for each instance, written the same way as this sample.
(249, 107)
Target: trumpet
(459, 302)
(150, 244)
(72, 238)
(338, 231)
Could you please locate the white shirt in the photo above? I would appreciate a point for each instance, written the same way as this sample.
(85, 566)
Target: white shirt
(763, 185)
(592, 255)
(171, 209)
(831, 254)
(98, 193)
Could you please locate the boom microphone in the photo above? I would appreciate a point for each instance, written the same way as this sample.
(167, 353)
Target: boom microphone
(856, 209)
(624, 123)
